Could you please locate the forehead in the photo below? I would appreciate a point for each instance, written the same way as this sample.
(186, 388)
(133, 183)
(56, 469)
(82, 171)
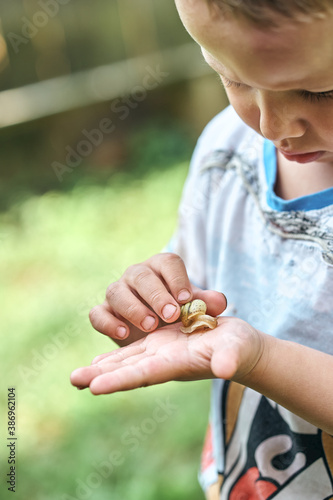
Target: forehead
(294, 54)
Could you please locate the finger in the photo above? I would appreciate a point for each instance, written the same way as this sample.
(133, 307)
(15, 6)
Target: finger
(81, 377)
(141, 374)
(239, 352)
(173, 271)
(132, 354)
(120, 355)
(135, 347)
(149, 287)
(122, 301)
(105, 322)
(123, 305)
(100, 357)
(225, 361)
(216, 301)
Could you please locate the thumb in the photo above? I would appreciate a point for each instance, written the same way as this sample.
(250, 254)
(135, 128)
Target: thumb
(225, 362)
(216, 301)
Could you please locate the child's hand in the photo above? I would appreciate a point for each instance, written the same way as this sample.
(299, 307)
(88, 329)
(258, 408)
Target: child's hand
(282, 371)
(148, 296)
(231, 350)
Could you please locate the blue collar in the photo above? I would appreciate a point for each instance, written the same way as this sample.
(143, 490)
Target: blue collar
(310, 202)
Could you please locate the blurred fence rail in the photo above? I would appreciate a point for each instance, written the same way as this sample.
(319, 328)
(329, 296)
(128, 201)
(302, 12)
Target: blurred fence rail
(68, 67)
(57, 55)
(100, 84)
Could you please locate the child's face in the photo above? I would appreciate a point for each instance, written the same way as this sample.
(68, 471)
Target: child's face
(279, 80)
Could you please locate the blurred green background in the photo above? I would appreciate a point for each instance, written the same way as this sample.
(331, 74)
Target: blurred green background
(100, 107)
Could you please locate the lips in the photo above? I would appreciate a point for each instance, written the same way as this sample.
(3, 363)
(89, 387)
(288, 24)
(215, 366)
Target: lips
(303, 157)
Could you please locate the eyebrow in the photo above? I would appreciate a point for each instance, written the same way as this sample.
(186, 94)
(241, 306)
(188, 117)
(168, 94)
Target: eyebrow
(218, 67)
(222, 71)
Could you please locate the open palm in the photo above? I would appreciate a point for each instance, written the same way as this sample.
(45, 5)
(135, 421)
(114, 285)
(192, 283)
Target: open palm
(229, 351)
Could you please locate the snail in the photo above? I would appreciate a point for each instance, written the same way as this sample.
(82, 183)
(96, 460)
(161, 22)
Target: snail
(193, 316)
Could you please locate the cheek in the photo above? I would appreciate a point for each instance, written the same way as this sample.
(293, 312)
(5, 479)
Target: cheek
(246, 109)
(322, 122)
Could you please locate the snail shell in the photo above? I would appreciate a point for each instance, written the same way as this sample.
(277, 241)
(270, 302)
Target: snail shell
(193, 316)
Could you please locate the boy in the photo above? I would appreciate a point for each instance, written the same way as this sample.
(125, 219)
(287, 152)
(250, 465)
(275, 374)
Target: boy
(256, 221)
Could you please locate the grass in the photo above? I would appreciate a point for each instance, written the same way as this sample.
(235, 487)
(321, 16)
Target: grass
(58, 253)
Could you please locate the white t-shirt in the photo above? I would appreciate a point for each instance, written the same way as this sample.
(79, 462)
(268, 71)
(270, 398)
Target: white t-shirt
(273, 259)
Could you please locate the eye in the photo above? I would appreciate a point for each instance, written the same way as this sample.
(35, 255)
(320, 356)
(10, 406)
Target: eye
(316, 96)
(229, 83)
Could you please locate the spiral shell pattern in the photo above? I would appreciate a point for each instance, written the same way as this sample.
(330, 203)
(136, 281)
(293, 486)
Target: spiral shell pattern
(193, 316)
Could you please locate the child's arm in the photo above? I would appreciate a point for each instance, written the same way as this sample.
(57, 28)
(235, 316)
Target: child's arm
(297, 377)
(294, 376)
(148, 296)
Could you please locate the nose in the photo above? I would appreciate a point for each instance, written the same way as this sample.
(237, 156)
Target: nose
(279, 117)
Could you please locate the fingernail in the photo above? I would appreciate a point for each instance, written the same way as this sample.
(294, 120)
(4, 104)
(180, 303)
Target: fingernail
(183, 296)
(168, 311)
(148, 322)
(121, 332)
